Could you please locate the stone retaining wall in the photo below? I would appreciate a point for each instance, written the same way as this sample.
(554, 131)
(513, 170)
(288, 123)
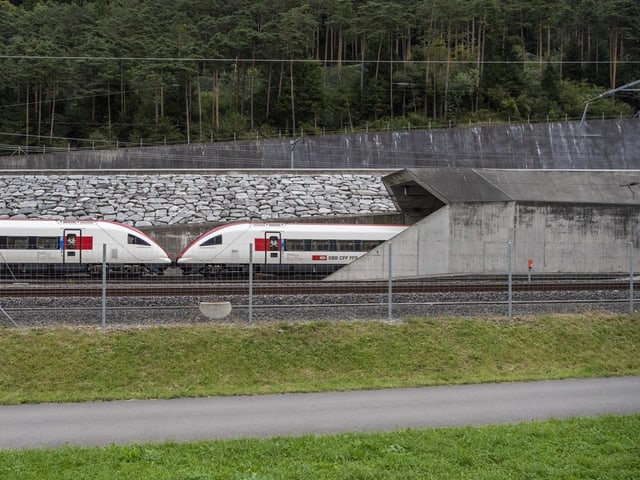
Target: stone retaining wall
(145, 200)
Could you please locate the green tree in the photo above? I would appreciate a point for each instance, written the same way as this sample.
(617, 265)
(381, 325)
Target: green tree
(196, 69)
(295, 28)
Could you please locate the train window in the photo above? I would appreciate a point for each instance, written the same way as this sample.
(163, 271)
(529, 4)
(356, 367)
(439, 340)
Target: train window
(217, 240)
(346, 245)
(320, 246)
(133, 240)
(3, 243)
(294, 245)
(47, 243)
(18, 242)
(370, 244)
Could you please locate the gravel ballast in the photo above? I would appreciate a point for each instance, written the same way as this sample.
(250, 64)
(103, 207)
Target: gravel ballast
(154, 311)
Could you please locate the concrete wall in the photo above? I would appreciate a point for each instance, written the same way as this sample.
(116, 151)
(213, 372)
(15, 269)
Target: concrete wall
(602, 144)
(580, 238)
(479, 235)
(431, 238)
(472, 239)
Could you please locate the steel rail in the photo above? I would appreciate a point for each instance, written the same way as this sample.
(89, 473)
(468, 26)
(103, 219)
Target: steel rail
(272, 288)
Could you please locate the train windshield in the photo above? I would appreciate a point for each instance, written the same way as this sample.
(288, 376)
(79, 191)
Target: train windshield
(215, 240)
(133, 240)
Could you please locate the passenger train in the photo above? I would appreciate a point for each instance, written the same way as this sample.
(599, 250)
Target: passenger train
(55, 247)
(281, 249)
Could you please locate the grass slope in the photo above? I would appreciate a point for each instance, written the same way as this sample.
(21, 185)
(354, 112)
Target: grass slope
(43, 365)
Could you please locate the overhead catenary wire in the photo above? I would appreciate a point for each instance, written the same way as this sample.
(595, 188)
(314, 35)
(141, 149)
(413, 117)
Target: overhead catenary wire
(307, 60)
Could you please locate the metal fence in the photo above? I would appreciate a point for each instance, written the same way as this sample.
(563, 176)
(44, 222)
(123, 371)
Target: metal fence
(250, 295)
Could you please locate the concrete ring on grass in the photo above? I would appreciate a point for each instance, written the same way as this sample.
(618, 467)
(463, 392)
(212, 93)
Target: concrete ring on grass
(215, 310)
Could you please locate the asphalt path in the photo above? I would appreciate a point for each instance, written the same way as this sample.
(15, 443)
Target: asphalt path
(264, 416)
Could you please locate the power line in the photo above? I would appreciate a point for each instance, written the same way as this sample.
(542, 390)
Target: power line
(53, 99)
(311, 60)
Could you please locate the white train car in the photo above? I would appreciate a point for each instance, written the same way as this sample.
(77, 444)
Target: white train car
(281, 249)
(53, 247)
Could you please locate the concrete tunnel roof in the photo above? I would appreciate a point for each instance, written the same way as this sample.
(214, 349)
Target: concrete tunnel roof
(417, 192)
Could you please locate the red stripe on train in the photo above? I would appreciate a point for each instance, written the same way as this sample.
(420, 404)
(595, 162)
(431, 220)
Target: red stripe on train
(261, 244)
(86, 243)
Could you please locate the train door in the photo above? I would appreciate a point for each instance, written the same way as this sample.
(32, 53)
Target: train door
(273, 251)
(72, 241)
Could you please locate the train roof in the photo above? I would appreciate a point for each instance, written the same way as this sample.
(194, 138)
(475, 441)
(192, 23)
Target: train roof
(51, 222)
(61, 222)
(300, 226)
(312, 225)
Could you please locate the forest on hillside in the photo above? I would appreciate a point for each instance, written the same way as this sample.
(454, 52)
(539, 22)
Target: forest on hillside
(107, 72)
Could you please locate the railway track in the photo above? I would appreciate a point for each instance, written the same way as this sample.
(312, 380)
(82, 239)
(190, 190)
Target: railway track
(164, 289)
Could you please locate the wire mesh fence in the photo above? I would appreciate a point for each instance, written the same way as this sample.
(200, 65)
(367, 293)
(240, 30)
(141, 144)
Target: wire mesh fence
(278, 285)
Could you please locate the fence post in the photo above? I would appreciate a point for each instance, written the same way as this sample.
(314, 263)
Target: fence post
(250, 319)
(510, 279)
(104, 285)
(390, 288)
(631, 277)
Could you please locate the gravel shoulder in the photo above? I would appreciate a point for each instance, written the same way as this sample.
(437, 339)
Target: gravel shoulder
(149, 311)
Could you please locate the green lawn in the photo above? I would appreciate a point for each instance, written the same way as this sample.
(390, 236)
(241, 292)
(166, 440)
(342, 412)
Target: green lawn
(595, 448)
(63, 364)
